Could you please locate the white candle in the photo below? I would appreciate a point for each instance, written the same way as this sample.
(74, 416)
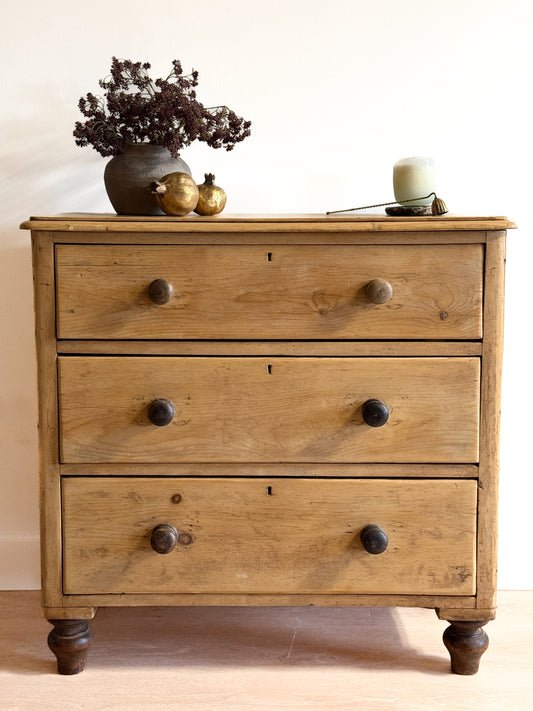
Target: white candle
(413, 178)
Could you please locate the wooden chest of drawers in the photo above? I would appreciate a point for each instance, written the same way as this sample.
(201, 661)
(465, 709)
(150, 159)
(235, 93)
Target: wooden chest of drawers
(269, 411)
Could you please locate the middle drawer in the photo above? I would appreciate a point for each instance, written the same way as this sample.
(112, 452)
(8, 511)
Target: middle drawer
(223, 409)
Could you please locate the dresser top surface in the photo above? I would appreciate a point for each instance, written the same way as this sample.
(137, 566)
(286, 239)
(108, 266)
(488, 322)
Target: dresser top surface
(96, 222)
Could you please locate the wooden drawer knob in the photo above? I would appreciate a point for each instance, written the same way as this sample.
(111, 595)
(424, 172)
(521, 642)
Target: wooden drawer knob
(375, 412)
(378, 291)
(374, 539)
(160, 291)
(164, 538)
(161, 412)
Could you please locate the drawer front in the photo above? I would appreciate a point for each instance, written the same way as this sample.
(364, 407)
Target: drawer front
(261, 292)
(269, 536)
(268, 410)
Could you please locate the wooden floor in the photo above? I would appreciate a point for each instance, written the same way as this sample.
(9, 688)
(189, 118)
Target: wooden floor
(230, 659)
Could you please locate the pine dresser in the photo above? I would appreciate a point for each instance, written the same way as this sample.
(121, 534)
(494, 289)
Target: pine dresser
(269, 410)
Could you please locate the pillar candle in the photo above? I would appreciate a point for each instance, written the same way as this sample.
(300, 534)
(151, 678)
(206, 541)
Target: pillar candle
(412, 178)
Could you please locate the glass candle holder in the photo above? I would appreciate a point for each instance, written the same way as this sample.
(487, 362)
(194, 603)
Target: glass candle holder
(412, 178)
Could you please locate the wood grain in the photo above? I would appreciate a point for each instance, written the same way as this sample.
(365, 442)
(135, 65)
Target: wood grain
(284, 292)
(273, 348)
(268, 410)
(98, 233)
(338, 471)
(256, 223)
(458, 602)
(278, 535)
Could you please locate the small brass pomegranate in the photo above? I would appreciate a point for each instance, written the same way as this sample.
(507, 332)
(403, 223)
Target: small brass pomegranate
(212, 199)
(176, 193)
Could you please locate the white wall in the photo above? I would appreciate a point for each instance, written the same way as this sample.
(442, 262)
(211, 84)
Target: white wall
(337, 91)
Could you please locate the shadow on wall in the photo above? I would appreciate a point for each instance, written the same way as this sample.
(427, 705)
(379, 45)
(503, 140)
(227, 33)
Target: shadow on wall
(19, 517)
(19, 480)
(43, 171)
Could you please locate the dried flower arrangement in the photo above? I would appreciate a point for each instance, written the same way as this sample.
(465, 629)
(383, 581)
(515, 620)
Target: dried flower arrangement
(164, 112)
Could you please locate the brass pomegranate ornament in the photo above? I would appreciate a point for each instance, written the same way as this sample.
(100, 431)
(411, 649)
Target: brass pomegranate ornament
(176, 193)
(212, 199)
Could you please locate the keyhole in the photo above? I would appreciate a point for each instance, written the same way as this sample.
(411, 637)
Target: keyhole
(269, 256)
(269, 491)
(269, 368)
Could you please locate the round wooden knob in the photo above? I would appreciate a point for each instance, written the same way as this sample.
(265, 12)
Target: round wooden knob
(375, 412)
(378, 291)
(160, 291)
(164, 538)
(374, 539)
(161, 412)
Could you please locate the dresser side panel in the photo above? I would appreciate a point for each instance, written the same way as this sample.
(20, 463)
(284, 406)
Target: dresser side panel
(491, 370)
(50, 495)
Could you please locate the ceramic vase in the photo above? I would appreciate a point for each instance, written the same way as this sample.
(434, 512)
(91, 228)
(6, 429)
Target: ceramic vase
(127, 177)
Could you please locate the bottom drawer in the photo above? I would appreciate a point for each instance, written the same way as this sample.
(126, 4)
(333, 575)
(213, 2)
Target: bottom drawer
(269, 536)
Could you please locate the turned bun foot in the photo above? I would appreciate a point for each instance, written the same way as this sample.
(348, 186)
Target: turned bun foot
(70, 641)
(466, 642)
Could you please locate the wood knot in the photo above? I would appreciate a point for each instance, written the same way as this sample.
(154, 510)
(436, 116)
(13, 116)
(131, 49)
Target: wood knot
(322, 302)
(185, 539)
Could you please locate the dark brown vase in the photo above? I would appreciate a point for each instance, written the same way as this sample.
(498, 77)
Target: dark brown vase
(127, 177)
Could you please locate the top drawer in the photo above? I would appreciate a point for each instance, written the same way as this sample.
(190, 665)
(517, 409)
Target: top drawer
(261, 292)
